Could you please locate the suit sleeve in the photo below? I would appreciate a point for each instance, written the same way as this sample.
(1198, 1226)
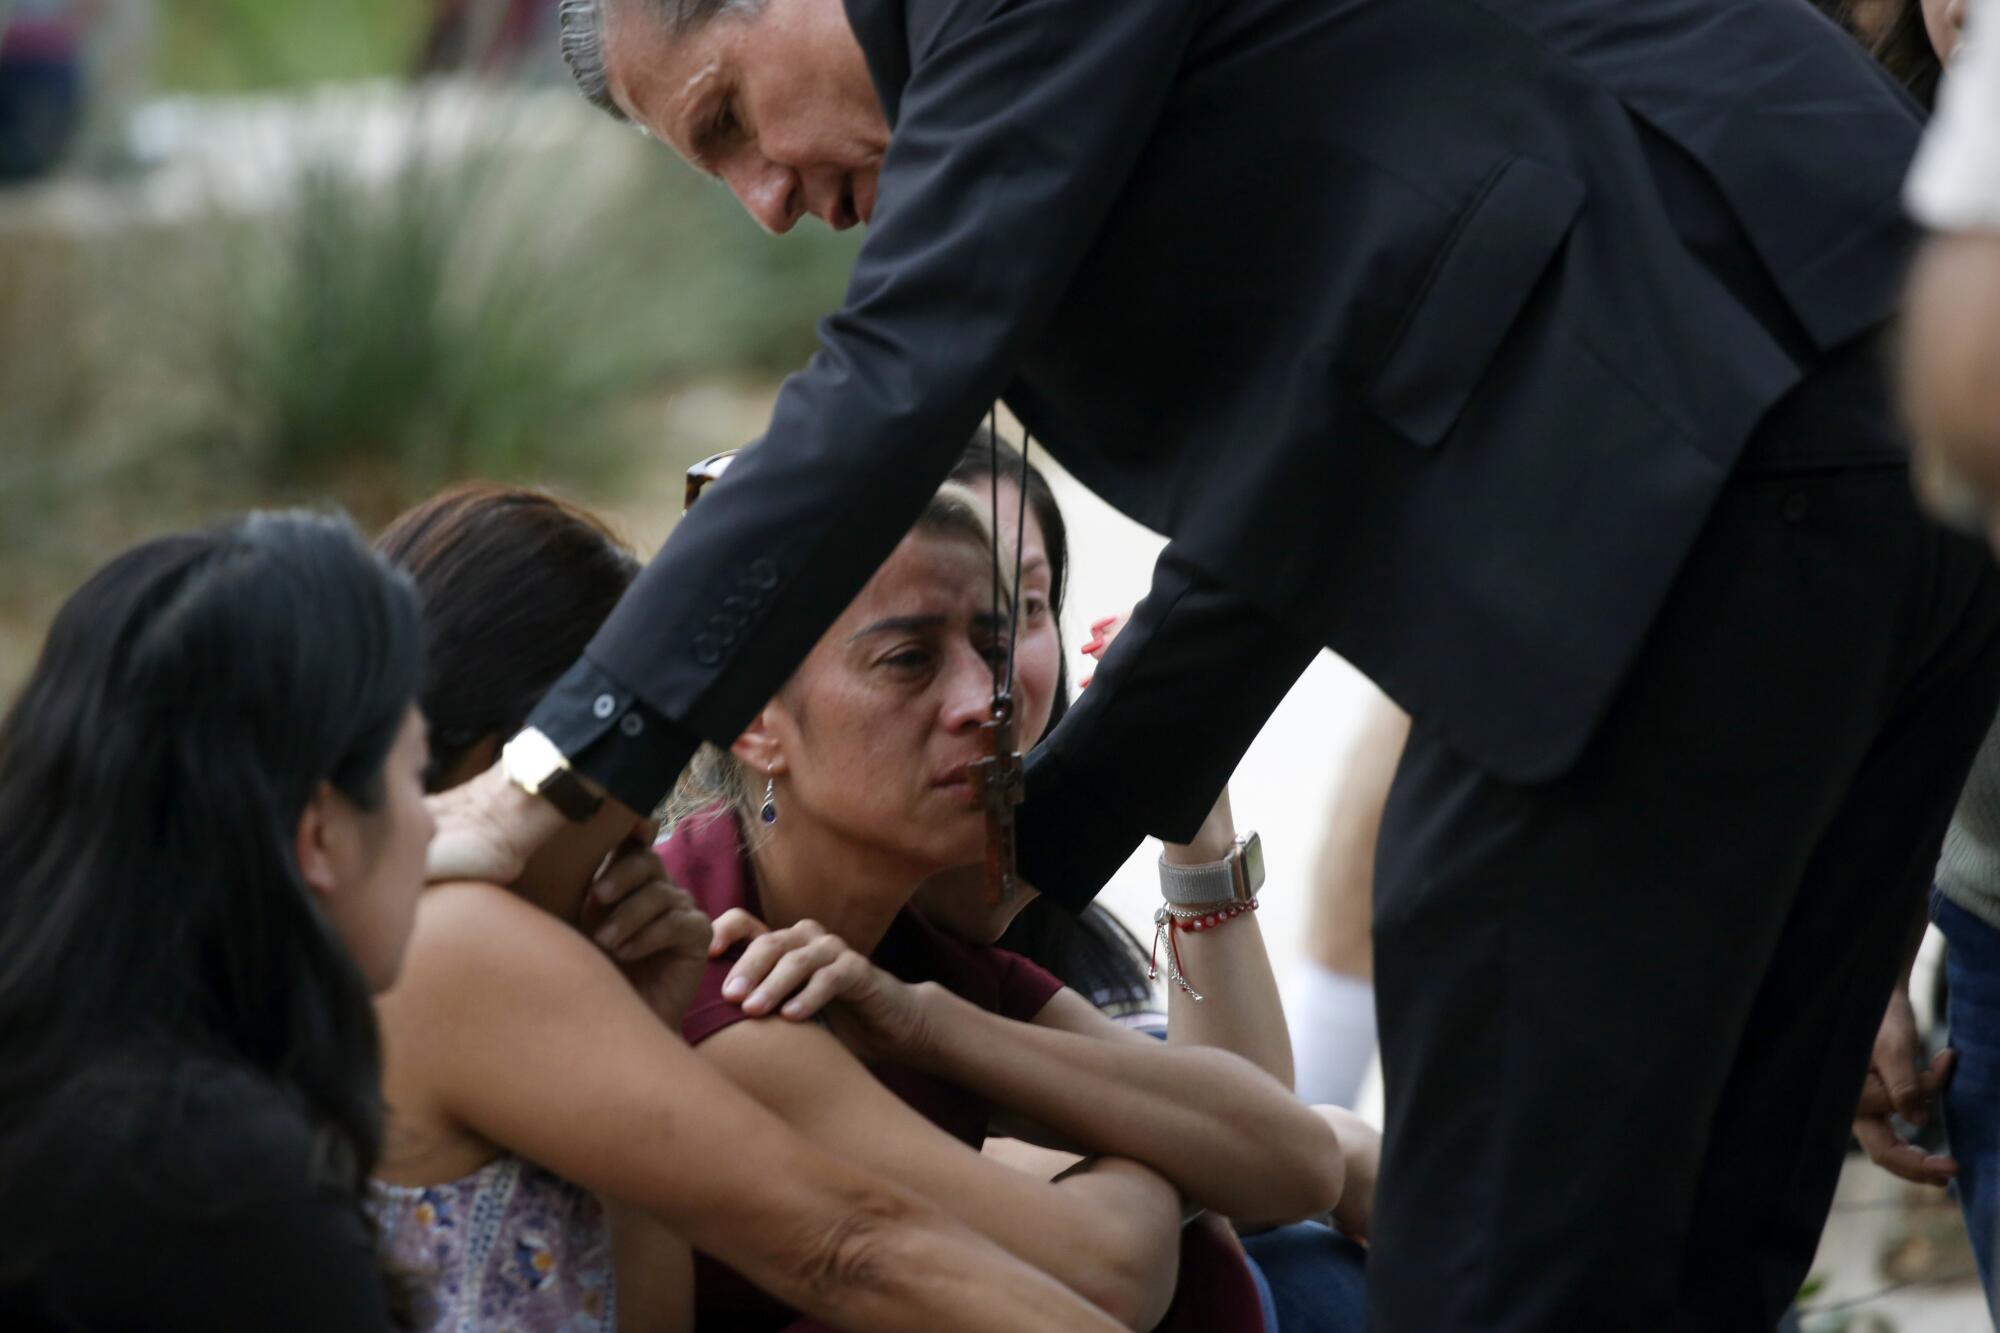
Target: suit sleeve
(1148, 747)
(1017, 129)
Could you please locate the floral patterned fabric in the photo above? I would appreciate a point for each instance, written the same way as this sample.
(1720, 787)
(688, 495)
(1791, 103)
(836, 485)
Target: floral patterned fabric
(508, 1249)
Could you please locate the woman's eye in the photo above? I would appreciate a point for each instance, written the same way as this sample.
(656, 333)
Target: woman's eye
(1034, 608)
(725, 123)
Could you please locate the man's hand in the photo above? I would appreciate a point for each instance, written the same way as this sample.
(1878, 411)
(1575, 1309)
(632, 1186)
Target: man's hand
(487, 829)
(1895, 1086)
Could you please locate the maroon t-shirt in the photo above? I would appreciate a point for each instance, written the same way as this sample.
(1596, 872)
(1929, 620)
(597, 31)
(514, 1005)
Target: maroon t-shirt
(705, 857)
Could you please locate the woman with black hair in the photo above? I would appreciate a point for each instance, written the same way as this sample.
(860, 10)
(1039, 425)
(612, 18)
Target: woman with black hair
(214, 835)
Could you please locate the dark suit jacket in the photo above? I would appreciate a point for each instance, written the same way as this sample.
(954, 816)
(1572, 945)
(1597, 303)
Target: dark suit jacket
(1427, 329)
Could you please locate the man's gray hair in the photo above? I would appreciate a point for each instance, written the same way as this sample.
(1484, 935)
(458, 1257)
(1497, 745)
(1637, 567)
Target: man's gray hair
(581, 25)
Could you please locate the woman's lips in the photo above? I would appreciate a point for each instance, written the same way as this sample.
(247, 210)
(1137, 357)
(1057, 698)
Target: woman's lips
(956, 785)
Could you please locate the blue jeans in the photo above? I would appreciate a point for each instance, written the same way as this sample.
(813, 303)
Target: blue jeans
(1316, 1277)
(1972, 1099)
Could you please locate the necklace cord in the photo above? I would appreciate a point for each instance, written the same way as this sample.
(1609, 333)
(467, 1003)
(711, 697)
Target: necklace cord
(993, 503)
(1020, 537)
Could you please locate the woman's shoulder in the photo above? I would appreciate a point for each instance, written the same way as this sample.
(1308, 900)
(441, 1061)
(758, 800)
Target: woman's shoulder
(481, 957)
(472, 935)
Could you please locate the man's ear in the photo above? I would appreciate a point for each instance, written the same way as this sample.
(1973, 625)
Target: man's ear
(758, 745)
(311, 843)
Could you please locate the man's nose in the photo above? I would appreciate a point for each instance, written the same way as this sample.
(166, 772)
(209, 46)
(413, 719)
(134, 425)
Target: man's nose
(769, 192)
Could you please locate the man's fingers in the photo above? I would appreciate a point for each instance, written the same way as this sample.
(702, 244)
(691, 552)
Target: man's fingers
(1907, 1096)
(1912, 1100)
(1940, 1071)
(1875, 1097)
(1901, 1159)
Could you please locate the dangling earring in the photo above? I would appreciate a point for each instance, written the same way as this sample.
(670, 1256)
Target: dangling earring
(768, 812)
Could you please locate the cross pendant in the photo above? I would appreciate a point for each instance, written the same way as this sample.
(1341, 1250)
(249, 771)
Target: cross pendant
(997, 782)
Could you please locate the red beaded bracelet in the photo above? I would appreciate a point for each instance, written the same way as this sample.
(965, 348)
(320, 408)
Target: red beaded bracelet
(1209, 920)
(1168, 919)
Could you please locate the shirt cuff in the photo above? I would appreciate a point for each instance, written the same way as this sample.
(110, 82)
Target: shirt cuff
(613, 737)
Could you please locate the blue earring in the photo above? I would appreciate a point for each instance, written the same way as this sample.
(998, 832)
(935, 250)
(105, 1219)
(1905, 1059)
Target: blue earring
(768, 812)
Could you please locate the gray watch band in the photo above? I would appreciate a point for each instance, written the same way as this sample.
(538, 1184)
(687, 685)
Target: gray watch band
(1235, 878)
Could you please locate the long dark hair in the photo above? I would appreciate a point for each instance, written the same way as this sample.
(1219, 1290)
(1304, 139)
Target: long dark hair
(1092, 953)
(190, 699)
(514, 584)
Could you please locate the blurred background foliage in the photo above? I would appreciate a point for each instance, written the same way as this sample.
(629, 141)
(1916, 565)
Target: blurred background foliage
(306, 252)
(230, 46)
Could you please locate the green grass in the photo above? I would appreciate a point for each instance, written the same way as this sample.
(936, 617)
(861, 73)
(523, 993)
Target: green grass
(243, 45)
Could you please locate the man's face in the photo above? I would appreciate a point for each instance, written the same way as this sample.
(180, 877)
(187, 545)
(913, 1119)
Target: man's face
(778, 105)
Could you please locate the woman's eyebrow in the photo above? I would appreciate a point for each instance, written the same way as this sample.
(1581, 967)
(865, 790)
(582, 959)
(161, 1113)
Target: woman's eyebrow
(985, 621)
(898, 625)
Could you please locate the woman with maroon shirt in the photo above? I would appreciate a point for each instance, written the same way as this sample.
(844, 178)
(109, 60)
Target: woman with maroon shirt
(554, 1147)
(852, 782)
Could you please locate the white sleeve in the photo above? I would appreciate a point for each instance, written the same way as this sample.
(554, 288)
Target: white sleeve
(1955, 184)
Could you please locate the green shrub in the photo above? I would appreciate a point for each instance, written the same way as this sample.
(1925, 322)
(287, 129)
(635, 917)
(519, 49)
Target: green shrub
(491, 311)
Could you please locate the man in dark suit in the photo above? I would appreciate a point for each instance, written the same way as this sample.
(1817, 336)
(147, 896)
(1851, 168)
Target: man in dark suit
(1523, 351)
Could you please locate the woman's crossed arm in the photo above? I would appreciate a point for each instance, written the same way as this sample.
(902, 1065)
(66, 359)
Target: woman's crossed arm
(530, 1038)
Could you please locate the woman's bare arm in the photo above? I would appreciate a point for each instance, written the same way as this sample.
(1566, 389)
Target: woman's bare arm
(1231, 1137)
(1240, 1009)
(1110, 1233)
(1226, 1133)
(527, 1036)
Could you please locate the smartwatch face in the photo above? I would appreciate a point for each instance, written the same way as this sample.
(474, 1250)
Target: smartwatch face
(1250, 864)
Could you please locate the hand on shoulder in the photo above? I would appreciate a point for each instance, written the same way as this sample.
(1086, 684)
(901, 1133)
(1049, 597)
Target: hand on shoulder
(652, 928)
(803, 970)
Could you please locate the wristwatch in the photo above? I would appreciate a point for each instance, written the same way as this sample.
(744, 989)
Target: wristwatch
(1235, 878)
(537, 767)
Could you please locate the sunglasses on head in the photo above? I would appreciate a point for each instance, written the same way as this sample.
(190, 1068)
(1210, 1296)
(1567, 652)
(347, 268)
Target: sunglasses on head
(707, 470)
